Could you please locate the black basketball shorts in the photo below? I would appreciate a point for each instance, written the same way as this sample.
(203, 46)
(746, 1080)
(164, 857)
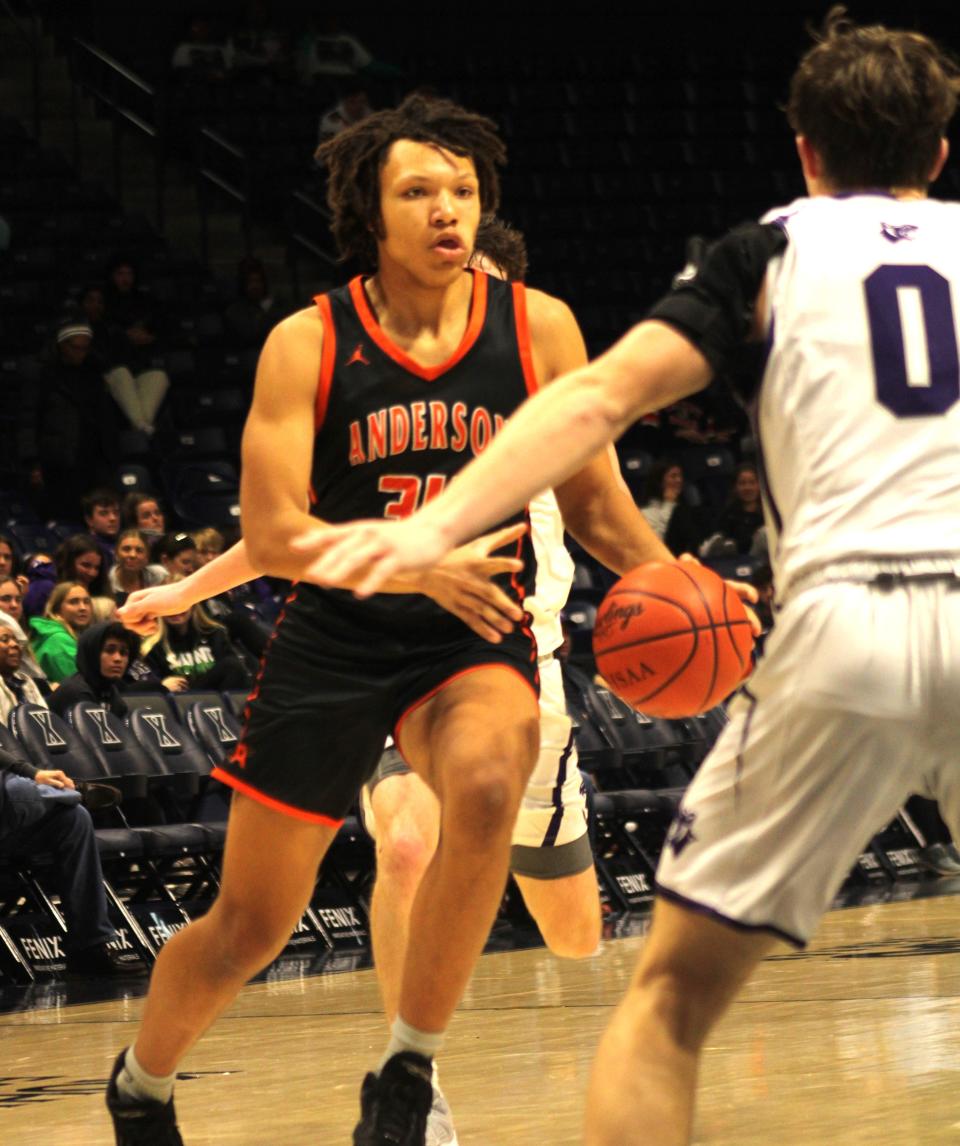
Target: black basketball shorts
(330, 693)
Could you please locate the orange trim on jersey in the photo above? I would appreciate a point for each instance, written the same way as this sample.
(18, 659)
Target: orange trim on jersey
(443, 684)
(327, 356)
(523, 336)
(518, 588)
(478, 312)
(269, 802)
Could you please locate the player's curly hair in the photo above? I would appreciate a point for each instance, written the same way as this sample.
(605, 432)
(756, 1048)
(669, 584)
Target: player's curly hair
(874, 102)
(355, 156)
(503, 245)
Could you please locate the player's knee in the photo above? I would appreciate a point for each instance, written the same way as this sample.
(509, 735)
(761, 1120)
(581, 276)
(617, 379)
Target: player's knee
(483, 802)
(403, 854)
(682, 1005)
(573, 939)
(250, 937)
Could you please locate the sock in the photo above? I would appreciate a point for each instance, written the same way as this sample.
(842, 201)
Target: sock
(134, 1084)
(403, 1037)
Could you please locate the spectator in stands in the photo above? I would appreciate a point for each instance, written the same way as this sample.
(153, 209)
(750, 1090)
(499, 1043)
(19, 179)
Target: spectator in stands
(79, 559)
(69, 611)
(352, 106)
(11, 598)
(670, 515)
(256, 310)
(233, 608)
(8, 557)
(28, 662)
(135, 374)
(41, 573)
(101, 514)
(133, 570)
(177, 553)
(195, 649)
(125, 300)
(104, 654)
(4, 235)
(41, 811)
(204, 55)
(743, 514)
(67, 423)
(16, 685)
(333, 52)
(90, 308)
(259, 44)
(210, 544)
(143, 512)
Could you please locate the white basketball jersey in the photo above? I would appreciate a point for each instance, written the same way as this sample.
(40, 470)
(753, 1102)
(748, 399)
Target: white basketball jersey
(859, 408)
(554, 572)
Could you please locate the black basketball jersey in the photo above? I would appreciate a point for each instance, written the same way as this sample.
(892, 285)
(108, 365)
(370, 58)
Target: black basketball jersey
(390, 433)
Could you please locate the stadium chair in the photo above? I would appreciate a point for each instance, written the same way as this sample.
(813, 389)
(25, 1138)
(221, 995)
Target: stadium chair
(647, 744)
(32, 537)
(122, 752)
(133, 478)
(597, 750)
(634, 466)
(581, 616)
(211, 722)
(237, 701)
(172, 748)
(204, 492)
(49, 742)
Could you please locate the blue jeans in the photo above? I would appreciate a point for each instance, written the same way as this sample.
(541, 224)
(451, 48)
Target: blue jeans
(34, 819)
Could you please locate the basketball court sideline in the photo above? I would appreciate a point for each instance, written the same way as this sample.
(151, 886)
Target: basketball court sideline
(855, 1040)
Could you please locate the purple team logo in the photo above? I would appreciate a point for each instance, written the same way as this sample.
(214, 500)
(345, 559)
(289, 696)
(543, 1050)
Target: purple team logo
(894, 234)
(681, 834)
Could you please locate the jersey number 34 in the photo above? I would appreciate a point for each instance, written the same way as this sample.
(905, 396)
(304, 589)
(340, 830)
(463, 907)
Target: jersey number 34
(412, 492)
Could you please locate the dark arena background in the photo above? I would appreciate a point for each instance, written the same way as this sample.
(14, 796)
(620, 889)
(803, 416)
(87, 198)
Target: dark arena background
(630, 128)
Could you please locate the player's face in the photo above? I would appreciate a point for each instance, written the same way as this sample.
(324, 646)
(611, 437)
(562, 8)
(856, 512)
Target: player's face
(430, 207)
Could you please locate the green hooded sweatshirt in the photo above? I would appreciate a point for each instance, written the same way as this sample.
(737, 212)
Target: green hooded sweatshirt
(55, 648)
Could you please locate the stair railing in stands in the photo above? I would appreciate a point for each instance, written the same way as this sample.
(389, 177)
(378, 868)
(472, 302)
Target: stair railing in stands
(308, 231)
(131, 104)
(224, 167)
(27, 25)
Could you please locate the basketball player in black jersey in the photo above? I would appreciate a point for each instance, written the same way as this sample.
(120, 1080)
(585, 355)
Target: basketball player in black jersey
(370, 401)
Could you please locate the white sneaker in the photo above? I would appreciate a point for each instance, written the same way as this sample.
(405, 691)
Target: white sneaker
(440, 1128)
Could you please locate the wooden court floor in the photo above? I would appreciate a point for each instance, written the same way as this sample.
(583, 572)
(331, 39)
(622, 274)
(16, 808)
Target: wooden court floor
(855, 1041)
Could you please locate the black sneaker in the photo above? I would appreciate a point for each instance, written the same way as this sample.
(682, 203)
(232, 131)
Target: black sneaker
(100, 960)
(395, 1104)
(141, 1123)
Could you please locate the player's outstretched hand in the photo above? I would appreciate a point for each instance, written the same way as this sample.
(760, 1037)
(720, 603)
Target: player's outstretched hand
(461, 584)
(365, 555)
(140, 610)
(743, 589)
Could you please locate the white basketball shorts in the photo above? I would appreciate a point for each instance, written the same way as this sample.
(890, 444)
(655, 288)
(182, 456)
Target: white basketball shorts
(855, 705)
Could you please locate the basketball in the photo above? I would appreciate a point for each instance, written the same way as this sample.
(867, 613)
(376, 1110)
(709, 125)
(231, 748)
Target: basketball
(672, 639)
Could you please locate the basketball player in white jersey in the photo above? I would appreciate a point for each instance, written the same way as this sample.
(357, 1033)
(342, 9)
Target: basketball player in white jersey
(854, 293)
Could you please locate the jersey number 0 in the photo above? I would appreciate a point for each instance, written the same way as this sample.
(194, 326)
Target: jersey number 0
(914, 340)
